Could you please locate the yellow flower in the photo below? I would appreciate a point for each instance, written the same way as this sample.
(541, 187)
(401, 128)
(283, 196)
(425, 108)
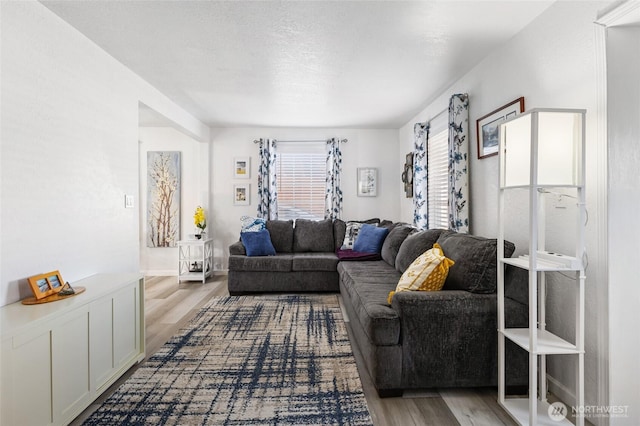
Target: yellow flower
(199, 218)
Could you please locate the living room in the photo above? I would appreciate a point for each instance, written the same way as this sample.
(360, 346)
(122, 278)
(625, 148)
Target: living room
(72, 146)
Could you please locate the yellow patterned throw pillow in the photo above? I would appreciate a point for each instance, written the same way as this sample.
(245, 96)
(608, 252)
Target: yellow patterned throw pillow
(427, 273)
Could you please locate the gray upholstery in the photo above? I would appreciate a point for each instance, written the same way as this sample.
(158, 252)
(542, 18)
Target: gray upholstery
(475, 260)
(311, 235)
(281, 232)
(394, 240)
(281, 262)
(367, 285)
(414, 246)
(314, 262)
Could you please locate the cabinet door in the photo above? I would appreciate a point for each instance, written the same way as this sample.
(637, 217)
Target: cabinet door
(101, 341)
(125, 325)
(26, 380)
(70, 364)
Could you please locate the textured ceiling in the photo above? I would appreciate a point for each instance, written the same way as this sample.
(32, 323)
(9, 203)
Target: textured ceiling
(370, 64)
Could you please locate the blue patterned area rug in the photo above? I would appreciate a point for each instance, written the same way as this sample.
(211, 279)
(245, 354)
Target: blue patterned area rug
(248, 360)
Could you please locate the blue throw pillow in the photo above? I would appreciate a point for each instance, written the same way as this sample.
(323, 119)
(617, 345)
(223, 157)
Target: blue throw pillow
(258, 243)
(370, 239)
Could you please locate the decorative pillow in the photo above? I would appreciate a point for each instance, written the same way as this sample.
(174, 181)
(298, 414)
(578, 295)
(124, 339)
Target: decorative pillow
(370, 239)
(258, 243)
(252, 224)
(353, 228)
(281, 232)
(427, 273)
(313, 236)
(476, 261)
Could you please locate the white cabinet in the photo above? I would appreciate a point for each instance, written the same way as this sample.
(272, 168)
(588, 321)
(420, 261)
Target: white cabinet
(56, 358)
(195, 260)
(542, 156)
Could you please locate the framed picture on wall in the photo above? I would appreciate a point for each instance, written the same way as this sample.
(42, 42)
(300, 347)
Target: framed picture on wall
(488, 130)
(241, 194)
(242, 167)
(367, 182)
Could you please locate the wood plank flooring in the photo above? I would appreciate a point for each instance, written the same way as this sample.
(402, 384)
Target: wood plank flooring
(169, 306)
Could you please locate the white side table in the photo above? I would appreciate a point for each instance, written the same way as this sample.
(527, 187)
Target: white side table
(195, 260)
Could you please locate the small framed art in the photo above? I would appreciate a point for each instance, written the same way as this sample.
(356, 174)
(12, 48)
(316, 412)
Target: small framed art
(44, 285)
(367, 182)
(241, 194)
(242, 167)
(488, 130)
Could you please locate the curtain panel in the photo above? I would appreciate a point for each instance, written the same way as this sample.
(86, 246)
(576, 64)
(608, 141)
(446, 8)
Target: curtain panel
(333, 194)
(420, 176)
(458, 163)
(267, 184)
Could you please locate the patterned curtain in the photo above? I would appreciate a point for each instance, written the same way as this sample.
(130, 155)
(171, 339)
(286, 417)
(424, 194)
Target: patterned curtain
(458, 168)
(420, 206)
(267, 188)
(333, 194)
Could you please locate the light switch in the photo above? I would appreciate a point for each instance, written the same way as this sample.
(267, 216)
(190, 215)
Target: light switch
(128, 201)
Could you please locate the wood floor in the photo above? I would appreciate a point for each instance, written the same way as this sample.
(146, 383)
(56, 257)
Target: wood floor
(170, 305)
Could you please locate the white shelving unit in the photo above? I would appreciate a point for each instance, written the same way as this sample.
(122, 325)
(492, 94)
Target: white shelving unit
(542, 152)
(195, 260)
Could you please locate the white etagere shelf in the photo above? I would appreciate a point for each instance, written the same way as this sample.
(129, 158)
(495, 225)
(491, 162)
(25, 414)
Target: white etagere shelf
(195, 260)
(542, 151)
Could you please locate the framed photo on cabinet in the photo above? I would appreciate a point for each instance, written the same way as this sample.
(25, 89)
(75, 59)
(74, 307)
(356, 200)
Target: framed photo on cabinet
(44, 285)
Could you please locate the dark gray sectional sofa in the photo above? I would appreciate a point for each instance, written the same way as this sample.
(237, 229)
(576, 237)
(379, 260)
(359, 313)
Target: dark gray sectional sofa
(305, 259)
(422, 340)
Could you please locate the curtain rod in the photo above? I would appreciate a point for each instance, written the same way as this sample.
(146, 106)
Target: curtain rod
(303, 140)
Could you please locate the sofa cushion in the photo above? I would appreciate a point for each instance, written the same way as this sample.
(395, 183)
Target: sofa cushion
(314, 262)
(475, 258)
(277, 263)
(339, 229)
(370, 239)
(311, 235)
(393, 242)
(281, 235)
(366, 285)
(427, 273)
(414, 245)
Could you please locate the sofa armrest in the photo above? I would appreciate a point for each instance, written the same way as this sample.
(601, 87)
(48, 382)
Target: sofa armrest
(449, 338)
(237, 248)
(440, 304)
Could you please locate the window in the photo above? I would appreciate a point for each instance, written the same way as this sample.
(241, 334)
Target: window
(438, 179)
(301, 175)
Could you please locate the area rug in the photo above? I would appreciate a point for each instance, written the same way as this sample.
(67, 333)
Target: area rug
(248, 360)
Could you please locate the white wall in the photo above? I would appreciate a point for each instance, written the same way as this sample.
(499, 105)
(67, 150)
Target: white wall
(552, 64)
(69, 151)
(365, 148)
(623, 64)
(194, 192)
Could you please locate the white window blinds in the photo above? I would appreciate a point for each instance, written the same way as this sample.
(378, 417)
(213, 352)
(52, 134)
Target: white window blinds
(438, 179)
(301, 175)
